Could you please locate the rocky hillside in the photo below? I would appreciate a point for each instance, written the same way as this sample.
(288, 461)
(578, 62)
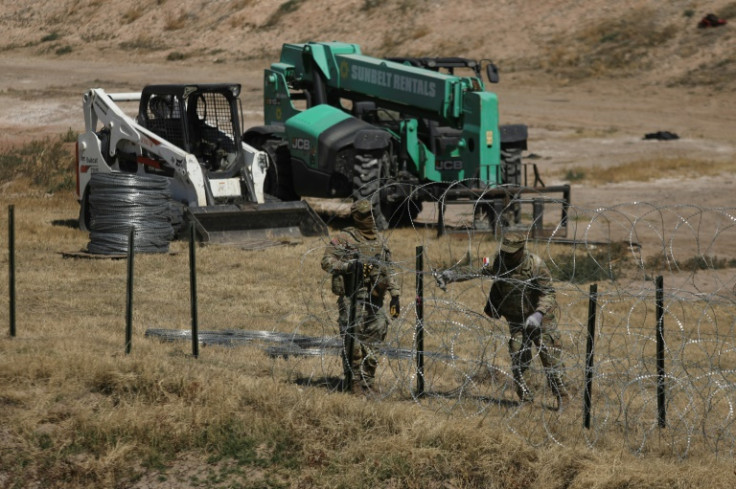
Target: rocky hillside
(570, 40)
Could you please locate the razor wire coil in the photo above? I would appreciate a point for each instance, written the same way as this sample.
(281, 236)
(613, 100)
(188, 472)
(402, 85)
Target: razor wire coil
(467, 368)
(121, 201)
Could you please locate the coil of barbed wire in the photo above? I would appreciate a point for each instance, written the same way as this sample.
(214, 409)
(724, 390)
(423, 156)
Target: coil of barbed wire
(467, 369)
(121, 201)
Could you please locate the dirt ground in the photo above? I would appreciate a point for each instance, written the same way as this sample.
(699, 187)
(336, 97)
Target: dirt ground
(586, 126)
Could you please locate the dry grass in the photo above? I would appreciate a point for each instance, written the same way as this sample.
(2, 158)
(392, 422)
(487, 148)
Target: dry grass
(616, 46)
(175, 22)
(78, 412)
(645, 170)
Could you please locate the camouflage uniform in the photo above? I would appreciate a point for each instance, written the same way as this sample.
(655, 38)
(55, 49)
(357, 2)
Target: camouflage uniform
(523, 288)
(361, 243)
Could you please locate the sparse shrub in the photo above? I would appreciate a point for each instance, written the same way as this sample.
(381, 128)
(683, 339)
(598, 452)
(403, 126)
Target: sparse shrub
(50, 37)
(574, 175)
(174, 23)
(693, 264)
(47, 163)
(614, 46)
(132, 14)
(604, 263)
(63, 50)
(285, 8)
(143, 43)
(371, 4)
(688, 13)
(69, 136)
(176, 56)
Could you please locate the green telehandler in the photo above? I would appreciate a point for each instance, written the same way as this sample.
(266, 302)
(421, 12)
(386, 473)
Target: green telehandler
(400, 132)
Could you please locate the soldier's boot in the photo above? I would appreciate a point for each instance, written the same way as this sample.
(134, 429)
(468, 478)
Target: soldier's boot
(521, 355)
(522, 390)
(558, 389)
(356, 387)
(369, 378)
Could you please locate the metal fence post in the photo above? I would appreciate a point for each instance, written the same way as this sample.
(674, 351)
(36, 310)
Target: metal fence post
(661, 400)
(441, 217)
(537, 218)
(129, 292)
(588, 395)
(11, 268)
(420, 319)
(193, 289)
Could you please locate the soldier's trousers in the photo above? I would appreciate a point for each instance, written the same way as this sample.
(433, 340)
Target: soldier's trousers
(343, 312)
(521, 346)
(371, 326)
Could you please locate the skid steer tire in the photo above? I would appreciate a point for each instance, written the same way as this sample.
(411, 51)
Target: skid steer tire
(84, 211)
(367, 185)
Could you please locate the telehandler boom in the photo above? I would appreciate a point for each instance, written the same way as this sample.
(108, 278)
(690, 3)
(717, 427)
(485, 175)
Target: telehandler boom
(340, 124)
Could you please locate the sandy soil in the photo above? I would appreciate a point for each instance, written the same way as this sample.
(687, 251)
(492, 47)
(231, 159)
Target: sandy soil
(587, 125)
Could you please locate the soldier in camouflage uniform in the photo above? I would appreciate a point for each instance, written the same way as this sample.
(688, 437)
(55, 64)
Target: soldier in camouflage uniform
(374, 279)
(523, 294)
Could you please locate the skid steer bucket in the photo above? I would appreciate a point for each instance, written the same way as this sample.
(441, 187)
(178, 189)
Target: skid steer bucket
(249, 223)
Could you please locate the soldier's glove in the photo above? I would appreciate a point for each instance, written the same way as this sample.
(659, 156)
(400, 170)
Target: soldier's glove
(534, 321)
(443, 278)
(395, 308)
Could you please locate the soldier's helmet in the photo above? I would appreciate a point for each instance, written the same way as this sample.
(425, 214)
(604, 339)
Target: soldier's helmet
(360, 208)
(513, 242)
(362, 212)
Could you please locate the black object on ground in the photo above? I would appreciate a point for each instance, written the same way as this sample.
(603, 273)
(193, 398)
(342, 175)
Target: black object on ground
(711, 20)
(661, 135)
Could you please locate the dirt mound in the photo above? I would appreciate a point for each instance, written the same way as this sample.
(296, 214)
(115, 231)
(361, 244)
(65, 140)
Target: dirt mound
(658, 41)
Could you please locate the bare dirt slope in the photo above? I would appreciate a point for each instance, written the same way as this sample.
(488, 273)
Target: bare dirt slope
(589, 78)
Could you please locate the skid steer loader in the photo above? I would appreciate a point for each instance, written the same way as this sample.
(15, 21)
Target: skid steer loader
(190, 134)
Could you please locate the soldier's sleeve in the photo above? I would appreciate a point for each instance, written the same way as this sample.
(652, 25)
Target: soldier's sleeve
(333, 256)
(543, 280)
(493, 302)
(393, 285)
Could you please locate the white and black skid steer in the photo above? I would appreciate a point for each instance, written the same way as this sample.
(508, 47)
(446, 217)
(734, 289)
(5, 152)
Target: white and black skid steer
(189, 134)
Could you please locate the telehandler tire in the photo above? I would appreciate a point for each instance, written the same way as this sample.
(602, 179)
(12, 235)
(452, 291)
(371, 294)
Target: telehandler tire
(367, 185)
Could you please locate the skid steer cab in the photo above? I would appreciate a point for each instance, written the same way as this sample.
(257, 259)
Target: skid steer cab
(188, 134)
